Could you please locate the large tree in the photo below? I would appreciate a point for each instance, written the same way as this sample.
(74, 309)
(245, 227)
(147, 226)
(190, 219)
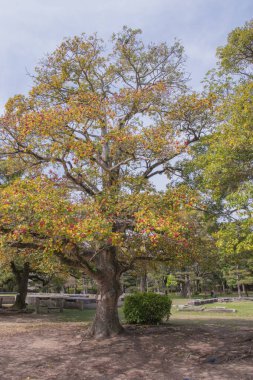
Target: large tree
(94, 130)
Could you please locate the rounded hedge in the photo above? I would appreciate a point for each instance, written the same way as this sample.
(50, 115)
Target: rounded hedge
(146, 308)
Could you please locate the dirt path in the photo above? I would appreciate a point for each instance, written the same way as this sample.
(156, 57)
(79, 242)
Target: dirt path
(32, 349)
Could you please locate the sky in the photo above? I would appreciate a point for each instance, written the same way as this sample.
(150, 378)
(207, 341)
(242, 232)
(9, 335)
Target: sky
(29, 29)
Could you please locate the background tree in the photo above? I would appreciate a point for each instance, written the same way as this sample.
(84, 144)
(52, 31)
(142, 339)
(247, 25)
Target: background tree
(222, 164)
(22, 250)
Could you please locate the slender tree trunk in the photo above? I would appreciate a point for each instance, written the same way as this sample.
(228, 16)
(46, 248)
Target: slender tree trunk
(183, 289)
(185, 286)
(22, 276)
(244, 290)
(143, 282)
(198, 287)
(239, 290)
(188, 285)
(106, 322)
(238, 284)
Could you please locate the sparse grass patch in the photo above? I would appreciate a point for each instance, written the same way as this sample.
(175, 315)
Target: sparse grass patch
(74, 315)
(244, 310)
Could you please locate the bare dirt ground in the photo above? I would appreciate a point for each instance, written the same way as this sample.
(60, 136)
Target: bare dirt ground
(33, 348)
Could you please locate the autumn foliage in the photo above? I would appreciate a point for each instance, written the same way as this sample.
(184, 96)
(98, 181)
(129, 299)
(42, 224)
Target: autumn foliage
(94, 130)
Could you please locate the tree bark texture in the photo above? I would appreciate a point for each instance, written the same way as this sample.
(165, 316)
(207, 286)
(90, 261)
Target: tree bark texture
(143, 282)
(185, 286)
(22, 276)
(106, 322)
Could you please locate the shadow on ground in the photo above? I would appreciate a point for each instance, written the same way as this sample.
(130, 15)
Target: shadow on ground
(36, 349)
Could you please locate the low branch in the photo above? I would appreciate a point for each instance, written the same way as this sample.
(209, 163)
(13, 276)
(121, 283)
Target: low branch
(126, 267)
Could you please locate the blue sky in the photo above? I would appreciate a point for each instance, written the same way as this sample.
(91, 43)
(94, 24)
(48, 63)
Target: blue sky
(31, 28)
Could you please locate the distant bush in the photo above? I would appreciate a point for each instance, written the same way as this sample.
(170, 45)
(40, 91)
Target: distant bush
(146, 308)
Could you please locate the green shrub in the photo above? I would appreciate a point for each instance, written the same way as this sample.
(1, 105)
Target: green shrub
(146, 308)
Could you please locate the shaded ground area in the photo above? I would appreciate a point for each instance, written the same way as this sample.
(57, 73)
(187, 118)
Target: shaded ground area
(32, 347)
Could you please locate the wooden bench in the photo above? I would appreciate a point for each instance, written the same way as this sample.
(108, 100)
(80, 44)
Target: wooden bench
(48, 304)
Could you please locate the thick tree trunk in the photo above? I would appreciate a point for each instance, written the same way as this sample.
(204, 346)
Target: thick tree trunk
(106, 322)
(22, 276)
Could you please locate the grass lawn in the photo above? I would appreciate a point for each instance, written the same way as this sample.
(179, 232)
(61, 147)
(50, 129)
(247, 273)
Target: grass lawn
(176, 296)
(74, 315)
(244, 311)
